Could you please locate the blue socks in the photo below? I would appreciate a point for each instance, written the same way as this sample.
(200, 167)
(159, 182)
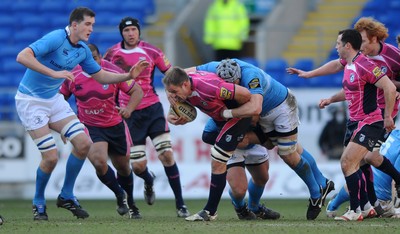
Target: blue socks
(340, 198)
(42, 179)
(255, 193)
(72, 170)
(238, 203)
(321, 180)
(303, 170)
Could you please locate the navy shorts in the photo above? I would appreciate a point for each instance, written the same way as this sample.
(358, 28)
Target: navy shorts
(232, 132)
(116, 136)
(370, 135)
(147, 122)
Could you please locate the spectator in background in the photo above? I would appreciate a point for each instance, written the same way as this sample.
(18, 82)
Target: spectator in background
(331, 140)
(148, 119)
(226, 26)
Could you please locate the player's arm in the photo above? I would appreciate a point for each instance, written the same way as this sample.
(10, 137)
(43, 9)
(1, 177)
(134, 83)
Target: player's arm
(251, 108)
(242, 96)
(338, 97)
(331, 67)
(136, 95)
(106, 77)
(27, 58)
(190, 69)
(390, 95)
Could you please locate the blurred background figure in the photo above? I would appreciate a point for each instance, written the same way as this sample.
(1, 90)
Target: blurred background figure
(331, 138)
(226, 26)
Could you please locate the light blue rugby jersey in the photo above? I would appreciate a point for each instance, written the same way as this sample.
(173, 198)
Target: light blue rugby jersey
(54, 50)
(257, 82)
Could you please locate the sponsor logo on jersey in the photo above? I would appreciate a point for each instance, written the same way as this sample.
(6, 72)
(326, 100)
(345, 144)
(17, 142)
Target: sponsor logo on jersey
(352, 77)
(225, 93)
(254, 83)
(377, 72)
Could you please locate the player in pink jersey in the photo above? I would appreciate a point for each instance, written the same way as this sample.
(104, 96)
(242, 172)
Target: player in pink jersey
(366, 126)
(387, 57)
(211, 95)
(148, 120)
(98, 111)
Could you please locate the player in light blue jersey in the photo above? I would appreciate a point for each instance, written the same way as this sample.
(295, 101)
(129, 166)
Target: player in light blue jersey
(382, 182)
(277, 108)
(255, 158)
(41, 108)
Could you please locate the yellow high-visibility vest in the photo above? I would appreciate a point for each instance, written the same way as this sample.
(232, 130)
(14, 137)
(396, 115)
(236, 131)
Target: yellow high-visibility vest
(226, 26)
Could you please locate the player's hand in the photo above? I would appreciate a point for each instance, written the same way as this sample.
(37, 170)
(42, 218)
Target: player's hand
(138, 68)
(324, 103)
(389, 124)
(295, 71)
(175, 120)
(63, 75)
(124, 112)
(397, 95)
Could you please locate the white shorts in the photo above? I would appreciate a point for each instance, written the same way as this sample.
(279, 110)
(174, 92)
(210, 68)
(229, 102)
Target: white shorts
(255, 155)
(283, 118)
(35, 113)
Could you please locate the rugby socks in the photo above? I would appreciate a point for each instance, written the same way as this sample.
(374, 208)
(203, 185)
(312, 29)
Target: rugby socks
(237, 202)
(110, 181)
(321, 180)
(341, 197)
(126, 183)
(304, 171)
(174, 180)
(147, 177)
(353, 185)
(217, 186)
(72, 169)
(363, 190)
(389, 169)
(369, 183)
(255, 193)
(42, 179)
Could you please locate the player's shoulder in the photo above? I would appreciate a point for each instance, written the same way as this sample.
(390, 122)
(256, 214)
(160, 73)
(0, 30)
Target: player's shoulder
(148, 46)
(109, 66)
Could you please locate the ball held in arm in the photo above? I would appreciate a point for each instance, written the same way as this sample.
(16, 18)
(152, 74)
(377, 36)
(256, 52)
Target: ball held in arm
(184, 110)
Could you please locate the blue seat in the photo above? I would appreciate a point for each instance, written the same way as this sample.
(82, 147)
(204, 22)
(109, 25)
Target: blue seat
(56, 7)
(27, 35)
(157, 81)
(250, 60)
(305, 64)
(264, 6)
(24, 6)
(106, 6)
(276, 68)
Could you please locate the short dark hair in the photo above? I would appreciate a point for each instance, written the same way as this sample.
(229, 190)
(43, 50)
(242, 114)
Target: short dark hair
(79, 13)
(351, 36)
(93, 48)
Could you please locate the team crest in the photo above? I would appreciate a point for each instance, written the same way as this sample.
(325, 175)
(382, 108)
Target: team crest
(352, 77)
(254, 83)
(371, 143)
(362, 138)
(228, 138)
(384, 70)
(377, 72)
(129, 82)
(225, 93)
(105, 86)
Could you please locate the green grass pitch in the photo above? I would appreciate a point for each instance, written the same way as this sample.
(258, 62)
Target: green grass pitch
(161, 218)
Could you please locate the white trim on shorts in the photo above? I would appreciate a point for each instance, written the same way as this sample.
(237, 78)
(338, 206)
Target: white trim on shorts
(255, 155)
(35, 113)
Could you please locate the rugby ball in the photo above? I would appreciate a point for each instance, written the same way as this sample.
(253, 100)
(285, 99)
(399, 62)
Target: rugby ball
(185, 110)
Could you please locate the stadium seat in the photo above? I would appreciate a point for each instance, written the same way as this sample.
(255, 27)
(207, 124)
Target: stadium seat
(276, 68)
(54, 7)
(250, 60)
(157, 79)
(19, 6)
(27, 35)
(305, 64)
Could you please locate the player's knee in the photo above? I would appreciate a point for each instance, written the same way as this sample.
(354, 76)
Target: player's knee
(220, 155)
(286, 146)
(162, 143)
(137, 153)
(45, 143)
(49, 161)
(81, 149)
(167, 158)
(73, 129)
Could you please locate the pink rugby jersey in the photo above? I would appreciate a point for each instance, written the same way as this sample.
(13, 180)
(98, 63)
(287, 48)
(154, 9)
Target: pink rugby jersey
(96, 102)
(125, 59)
(209, 93)
(361, 93)
(388, 60)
